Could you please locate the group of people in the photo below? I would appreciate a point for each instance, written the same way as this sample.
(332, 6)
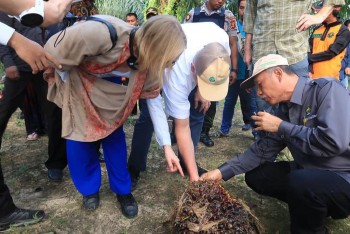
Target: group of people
(192, 66)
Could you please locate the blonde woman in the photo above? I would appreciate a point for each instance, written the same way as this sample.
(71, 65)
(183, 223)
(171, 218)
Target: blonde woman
(94, 106)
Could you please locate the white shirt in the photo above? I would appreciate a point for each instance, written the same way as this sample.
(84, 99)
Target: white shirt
(180, 81)
(6, 33)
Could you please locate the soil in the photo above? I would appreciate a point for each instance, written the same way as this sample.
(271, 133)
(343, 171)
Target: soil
(156, 193)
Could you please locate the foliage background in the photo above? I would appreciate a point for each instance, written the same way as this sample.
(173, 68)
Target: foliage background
(178, 8)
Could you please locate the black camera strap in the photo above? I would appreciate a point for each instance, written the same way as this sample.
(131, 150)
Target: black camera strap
(132, 59)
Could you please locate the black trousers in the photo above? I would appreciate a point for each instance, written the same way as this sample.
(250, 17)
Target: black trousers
(311, 194)
(209, 118)
(13, 96)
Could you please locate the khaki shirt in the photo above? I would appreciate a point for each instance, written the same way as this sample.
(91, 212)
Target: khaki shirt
(273, 25)
(92, 108)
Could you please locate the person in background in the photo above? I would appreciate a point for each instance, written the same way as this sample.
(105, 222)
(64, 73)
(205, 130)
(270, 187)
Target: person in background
(247, 99)
(345, 64)
(33, 54)
(143, 132)
(316, 184)
(328, 44)
(93, 53)
(283, 33)
(150, 12)
(214, 11)
(131, 18)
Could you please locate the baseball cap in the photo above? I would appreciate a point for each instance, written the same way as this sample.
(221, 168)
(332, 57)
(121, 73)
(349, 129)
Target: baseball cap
(151, 11)
(212, 64)
(268, 61)
(317, 6)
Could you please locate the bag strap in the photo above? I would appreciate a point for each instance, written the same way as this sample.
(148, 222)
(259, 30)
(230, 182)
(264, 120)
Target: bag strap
(111, 29)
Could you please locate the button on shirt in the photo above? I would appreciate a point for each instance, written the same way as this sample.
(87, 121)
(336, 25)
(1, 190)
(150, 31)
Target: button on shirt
(230, 26)
(315, 128)
(273, 25)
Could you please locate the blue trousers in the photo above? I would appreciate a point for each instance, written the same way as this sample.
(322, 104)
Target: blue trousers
(248, 106)
(84, 165)
(143, 131)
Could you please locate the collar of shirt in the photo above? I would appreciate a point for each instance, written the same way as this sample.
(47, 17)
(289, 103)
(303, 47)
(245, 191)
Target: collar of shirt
(298, 91)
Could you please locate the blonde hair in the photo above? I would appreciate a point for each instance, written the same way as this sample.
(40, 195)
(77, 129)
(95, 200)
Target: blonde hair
(160, 41)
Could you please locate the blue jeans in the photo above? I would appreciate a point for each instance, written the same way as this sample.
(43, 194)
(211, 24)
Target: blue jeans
(248, 106)
(143, 131)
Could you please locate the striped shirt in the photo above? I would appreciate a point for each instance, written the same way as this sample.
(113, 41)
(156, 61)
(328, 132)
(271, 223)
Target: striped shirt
(273, 25)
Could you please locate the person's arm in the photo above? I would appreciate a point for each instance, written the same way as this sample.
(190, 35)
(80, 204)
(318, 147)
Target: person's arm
(306, 20)
(189, 16)
(185, 145)
(161, 130)
(248, 53)
(340, 43)
(234, 58)
(248, 26)
(266, 149)
(232, 33)
(54, 10)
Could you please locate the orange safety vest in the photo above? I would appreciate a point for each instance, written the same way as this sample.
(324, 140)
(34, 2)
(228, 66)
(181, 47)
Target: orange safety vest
(331, 67)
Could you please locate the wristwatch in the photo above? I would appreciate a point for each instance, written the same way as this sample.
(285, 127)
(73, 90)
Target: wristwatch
(234, 70)
(34, 16)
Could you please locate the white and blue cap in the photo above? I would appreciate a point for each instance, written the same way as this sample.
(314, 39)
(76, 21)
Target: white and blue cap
(212, 64)
(266, 62)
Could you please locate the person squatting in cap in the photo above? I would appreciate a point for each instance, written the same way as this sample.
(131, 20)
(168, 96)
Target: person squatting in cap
(205, 62)
(95, 107)
(316, 184)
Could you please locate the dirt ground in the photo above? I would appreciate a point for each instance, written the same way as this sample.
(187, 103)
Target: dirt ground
(156, 194)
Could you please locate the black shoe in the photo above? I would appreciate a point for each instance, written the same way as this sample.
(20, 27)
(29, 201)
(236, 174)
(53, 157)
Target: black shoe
(128, 205)
(21, 217)
(55, 175)
(91, 202)
(134, 182)
(201, 170)
(246, 127)
(101, 156)
(205, 139)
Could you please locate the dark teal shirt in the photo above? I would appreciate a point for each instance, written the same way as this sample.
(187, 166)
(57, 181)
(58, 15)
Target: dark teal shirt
(315, 128)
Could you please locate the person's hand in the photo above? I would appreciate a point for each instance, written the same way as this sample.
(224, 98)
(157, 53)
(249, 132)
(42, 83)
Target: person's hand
(233, 78)
(266, 122)
(32, 53)
(12, 73)
(212, 175)
(306, 21)
(347, 71)
(173, 162)
(55, 11)
(205, 104)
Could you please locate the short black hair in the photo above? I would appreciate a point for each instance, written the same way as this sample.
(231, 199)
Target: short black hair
(239, 3)
(131, 14)
(347, 22)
